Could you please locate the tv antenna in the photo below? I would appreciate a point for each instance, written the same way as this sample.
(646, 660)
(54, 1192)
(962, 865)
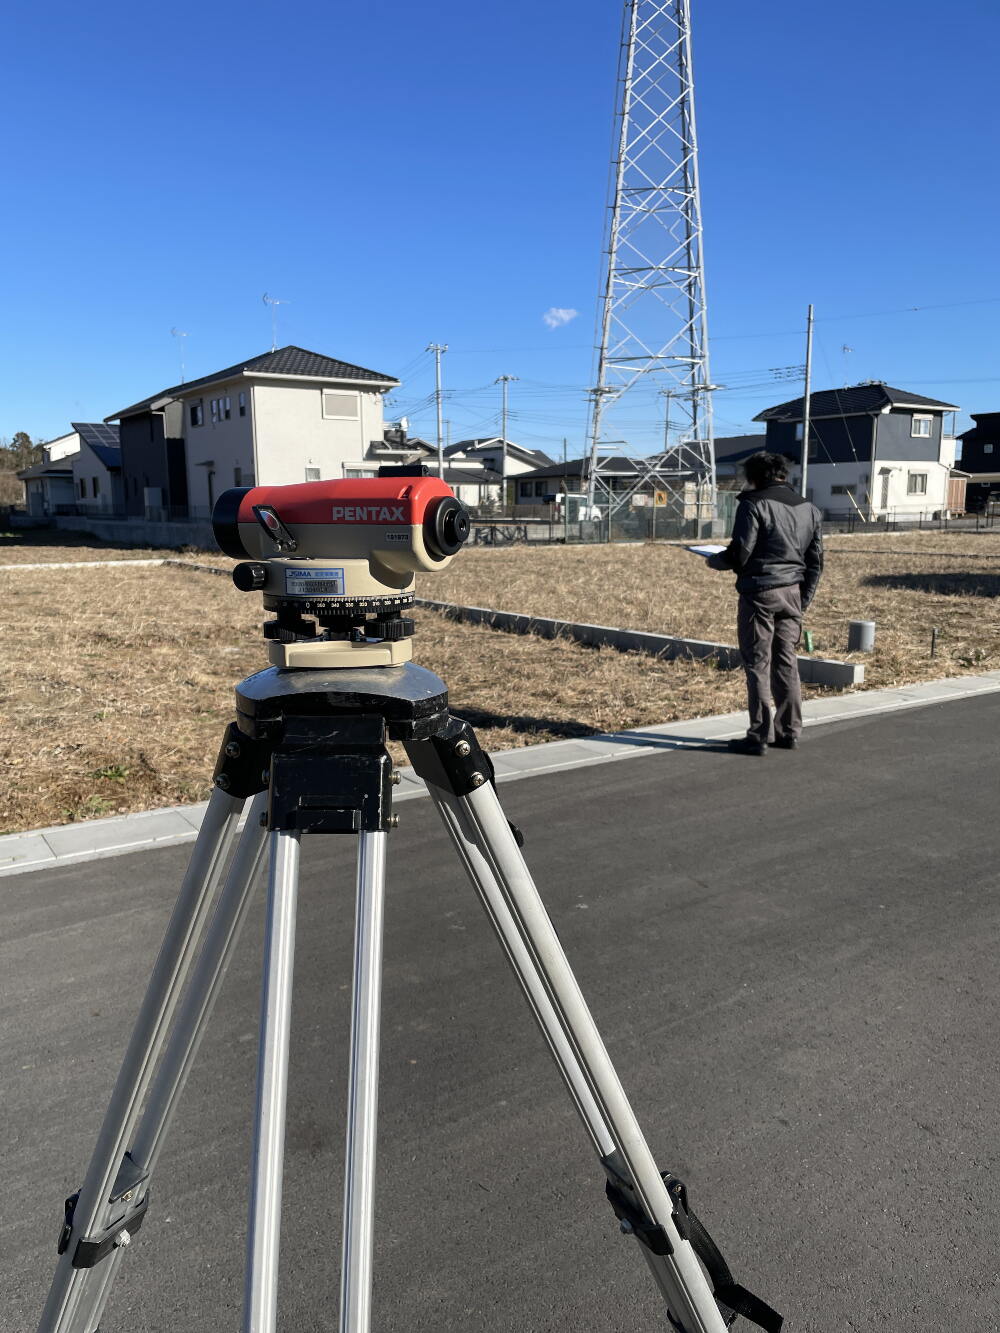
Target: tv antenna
(180, 335)
(273, 301)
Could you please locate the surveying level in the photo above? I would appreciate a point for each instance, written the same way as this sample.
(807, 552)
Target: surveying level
(335, 561)
(307, 755)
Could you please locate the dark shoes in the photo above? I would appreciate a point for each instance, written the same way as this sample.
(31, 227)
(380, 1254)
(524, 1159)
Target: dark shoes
(747, 746)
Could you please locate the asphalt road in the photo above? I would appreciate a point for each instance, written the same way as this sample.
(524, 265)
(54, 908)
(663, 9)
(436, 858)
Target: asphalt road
(792, 960)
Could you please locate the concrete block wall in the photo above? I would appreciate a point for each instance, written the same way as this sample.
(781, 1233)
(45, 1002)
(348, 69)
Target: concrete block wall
(814, 670)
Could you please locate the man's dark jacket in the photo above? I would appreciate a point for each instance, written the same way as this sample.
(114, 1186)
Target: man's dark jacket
(777, 542)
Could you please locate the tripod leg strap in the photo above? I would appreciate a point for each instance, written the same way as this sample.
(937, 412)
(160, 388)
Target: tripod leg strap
(726, 1291)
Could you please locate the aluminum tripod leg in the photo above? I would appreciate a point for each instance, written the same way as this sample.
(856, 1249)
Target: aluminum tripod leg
(489, 852)
(264, 1232)
(362, 1097)
(181, 1050)
(91, 1214)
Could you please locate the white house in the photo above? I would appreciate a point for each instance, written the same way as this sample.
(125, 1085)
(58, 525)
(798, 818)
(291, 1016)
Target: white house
(286, 416)
(97, 469)
(48, 485)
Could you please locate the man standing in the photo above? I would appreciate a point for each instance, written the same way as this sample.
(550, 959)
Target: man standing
(776, 552)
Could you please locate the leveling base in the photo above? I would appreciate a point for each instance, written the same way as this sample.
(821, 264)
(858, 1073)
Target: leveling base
(308, 755)
(338, 653)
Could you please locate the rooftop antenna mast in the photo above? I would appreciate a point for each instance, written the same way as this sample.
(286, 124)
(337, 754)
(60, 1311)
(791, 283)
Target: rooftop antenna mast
(273, 302)
(180, 335)
(653, 320)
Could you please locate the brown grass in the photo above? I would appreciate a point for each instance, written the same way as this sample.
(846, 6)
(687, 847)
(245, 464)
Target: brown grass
(116, 684)
(121, 683)
(907, 583)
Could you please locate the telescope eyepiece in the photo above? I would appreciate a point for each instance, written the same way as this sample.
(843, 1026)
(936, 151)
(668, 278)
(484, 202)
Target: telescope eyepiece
(447, 527)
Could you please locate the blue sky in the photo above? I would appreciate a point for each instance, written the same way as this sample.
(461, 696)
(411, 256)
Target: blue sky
(403, 174)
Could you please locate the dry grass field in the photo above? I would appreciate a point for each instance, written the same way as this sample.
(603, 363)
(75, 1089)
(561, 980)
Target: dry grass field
(907, 583)
(116, 683)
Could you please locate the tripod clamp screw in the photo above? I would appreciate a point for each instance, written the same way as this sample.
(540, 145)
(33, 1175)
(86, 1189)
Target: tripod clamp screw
(232, 749)
(223, 782)
(477, 779)
(463, 748)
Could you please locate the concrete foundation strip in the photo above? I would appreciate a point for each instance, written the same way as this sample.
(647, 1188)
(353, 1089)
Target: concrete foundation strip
(814, 670)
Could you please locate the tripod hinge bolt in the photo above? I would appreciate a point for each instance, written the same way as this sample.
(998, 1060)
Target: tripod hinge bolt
(392, 821)
(123, 1239)
(395, 777)
(477, 779)
(463, 748)
(233, 750)
(223, 782)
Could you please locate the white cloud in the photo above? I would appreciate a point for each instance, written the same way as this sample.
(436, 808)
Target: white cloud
(555, 317)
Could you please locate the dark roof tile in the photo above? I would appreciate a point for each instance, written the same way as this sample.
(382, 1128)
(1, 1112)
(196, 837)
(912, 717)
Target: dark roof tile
(852, 400)
(284, 361)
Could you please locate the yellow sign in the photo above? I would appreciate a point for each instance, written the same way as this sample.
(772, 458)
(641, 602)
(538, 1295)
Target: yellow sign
(660, 499)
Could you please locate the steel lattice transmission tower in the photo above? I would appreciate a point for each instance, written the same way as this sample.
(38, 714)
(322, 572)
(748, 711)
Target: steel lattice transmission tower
(653, 338)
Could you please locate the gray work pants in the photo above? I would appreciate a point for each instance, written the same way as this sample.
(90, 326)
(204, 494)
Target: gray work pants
(769, 624)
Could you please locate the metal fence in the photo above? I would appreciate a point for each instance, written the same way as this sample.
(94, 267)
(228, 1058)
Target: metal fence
(906, 521)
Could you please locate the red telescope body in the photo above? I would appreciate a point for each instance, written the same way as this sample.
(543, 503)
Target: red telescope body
(379, 510)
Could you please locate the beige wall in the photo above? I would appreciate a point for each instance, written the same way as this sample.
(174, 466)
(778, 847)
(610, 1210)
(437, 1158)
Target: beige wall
(218, 447)
(292, 434)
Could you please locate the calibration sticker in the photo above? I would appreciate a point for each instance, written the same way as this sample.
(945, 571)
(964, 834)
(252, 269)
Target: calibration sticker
(314, 582)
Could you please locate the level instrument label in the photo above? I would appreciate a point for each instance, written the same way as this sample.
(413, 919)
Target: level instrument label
(314, 582)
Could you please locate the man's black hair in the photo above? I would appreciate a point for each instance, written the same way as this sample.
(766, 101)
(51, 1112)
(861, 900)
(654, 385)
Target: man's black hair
(765, 469)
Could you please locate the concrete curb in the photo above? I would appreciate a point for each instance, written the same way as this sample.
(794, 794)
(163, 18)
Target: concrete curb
(49, 848)
(814, 670)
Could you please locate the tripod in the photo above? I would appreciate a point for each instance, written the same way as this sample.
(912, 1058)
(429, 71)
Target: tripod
(307, 755)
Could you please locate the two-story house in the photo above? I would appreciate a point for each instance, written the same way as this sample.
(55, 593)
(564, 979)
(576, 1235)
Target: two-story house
(48, 485)
(486, 454)
(873, 450)
(981, 458)
(97, 470)
(286, 416)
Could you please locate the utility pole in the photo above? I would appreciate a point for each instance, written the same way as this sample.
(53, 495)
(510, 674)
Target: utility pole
(565, 496)
(437, 349)
(503, 381)
(806, 422)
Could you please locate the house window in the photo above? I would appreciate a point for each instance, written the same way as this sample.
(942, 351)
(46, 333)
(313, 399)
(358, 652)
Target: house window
(96, 486)
(215, 410)
(841, 490)
(340, 406)
(921, 426)
(916, 483)
(227, 411)
(83, 488)
(312, 474)
(237, 476)
(243, 403)
(799, 427)
(525, 489)
(539, 487)
(987, 448)
(198, 414)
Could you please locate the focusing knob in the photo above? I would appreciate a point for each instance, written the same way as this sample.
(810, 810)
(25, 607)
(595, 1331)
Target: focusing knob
(250, 578)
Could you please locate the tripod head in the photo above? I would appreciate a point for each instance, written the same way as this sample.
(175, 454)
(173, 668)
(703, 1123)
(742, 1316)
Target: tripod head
(335, 561)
